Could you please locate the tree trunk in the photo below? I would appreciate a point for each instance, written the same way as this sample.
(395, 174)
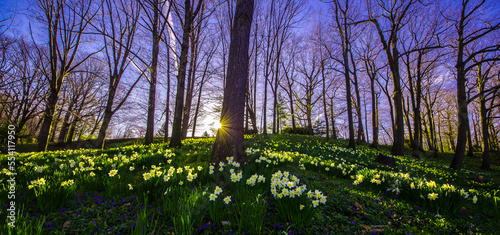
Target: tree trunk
(374, 113)
(230, 137)
(108, 114)
(55, 124)
(264, 108)
(196, 112)
(343, 28)
(463, 114)
(361, 133)
(334, 131)
(325, 111)
(470, 145)
(150, 126)
(191, 81)
(175, 140)
(48, 116)
(406, 111)
(167, 106)
(398, 147)
(484, 124)
(66, 124)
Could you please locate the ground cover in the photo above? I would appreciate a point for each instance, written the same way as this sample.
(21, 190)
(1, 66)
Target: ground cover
(292, 185)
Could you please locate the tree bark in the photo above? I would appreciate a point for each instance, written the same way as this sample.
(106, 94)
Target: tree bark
(191, 80)
(229, 140)
(189, 15)
(325, 111)
(486, 163)
(463, 114)
(343, 28)
(361, 133)
(150, 124)
(66, 124)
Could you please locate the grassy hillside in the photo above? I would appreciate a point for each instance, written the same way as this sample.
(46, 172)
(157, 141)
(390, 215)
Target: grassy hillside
(293, 184)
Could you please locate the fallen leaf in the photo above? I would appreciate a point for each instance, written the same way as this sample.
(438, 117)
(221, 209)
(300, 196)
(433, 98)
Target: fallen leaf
(66, 224)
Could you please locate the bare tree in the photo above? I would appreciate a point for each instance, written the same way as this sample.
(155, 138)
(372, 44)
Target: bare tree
(309, 66)
(289, 65)
(484, 73)
(369, 56)
(471, 29)
(20, 103)
(229, 140)
(343, 27)
(153, 10)
(190, 13)
(83, 91)
(396, 15)
(196, 43)
(66, 22)
(118, 28)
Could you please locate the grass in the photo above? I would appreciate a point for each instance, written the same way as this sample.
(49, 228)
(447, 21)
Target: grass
(136, 189)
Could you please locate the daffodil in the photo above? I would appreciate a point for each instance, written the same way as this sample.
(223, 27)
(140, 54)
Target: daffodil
(227, 200)
(432, 196)
(130, 187)
(301, 207)
(322, 199)
(217, 190)
(112, 172)
(212, 197)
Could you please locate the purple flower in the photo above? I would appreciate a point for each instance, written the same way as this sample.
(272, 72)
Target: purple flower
(201, 227)
(353, 223)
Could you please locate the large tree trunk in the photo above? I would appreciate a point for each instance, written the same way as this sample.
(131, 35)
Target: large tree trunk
(398, 146)
(229, 140)
(463, 119)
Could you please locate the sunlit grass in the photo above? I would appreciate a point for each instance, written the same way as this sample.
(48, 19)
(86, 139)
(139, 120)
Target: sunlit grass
(333, 188)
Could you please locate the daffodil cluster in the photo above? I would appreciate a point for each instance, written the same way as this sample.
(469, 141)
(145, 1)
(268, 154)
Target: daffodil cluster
(317, 197)
(35, 183)
(67, 183)
(256, 179)
(283, 184)
(112, 173)
(236, 177)
(216, 193)
(154, 172)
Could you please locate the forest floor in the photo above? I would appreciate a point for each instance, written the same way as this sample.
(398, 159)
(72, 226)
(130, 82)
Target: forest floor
(129, 188)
